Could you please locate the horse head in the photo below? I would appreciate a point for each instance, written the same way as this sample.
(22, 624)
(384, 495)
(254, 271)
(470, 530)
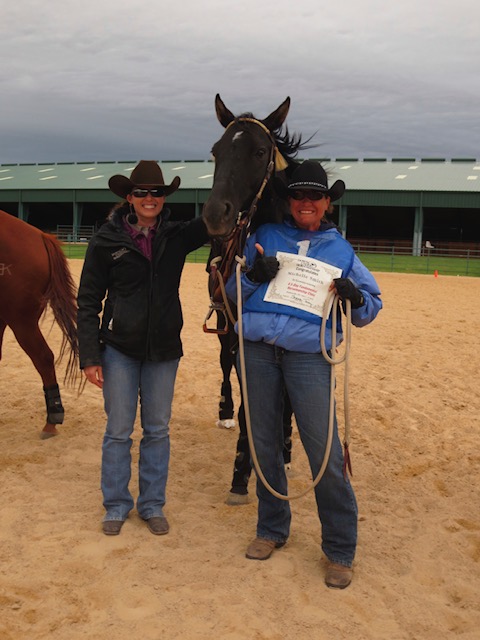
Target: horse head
(245, 159)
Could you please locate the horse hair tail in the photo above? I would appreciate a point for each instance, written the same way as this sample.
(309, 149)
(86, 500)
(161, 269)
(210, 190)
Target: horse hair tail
(61, 295)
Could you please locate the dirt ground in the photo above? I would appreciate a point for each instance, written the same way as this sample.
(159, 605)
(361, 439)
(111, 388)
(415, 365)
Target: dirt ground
(415, 411)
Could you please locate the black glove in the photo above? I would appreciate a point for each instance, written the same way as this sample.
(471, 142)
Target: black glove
(264, 269)
(348, 291)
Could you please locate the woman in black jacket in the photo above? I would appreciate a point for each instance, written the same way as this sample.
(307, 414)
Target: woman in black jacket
(132, 270)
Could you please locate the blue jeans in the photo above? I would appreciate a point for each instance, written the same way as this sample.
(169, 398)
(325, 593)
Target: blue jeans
(306, 377)
(125, 380)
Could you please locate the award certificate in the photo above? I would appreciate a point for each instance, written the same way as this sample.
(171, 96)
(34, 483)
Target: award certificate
(301, 282)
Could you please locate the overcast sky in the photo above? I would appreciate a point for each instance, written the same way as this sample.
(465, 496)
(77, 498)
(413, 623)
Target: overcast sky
(112, 80)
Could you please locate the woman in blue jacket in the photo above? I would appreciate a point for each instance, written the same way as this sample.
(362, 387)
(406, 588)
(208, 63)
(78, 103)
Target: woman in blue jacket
(287, 265)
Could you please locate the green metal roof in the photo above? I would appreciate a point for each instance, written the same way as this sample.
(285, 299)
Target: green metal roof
(407, 175)
(456, 175)
(95, 175)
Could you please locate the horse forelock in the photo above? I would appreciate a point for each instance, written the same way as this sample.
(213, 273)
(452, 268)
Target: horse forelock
(289, 144)
(247, 114)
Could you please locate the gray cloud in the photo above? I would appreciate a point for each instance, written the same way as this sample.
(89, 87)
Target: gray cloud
(104, 81)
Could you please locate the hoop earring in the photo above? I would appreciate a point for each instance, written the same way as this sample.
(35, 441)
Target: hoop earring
(132, 216)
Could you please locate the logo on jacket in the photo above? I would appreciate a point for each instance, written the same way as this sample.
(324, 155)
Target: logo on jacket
(121, 252)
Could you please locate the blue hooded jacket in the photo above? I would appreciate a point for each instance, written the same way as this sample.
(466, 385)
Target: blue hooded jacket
(288, 327)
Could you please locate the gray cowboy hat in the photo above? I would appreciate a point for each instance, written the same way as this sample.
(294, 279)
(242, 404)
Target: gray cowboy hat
(147, 173)
(310, 175)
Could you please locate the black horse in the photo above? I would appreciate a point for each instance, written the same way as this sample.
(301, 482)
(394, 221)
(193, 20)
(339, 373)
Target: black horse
(248, 157)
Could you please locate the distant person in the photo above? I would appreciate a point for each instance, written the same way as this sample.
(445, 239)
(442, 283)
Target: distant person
(132, 348)
(282, 349)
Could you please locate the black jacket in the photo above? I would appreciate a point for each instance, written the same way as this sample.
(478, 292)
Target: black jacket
(142, 315)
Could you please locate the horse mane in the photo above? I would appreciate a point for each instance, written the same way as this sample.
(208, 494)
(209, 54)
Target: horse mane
(288, 144)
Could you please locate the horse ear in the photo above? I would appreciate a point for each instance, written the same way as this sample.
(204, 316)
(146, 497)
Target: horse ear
(277, 117)
(224, 115)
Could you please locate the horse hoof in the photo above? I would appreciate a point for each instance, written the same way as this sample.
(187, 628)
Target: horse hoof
(49, 431)
(235, 499)
(226, 424)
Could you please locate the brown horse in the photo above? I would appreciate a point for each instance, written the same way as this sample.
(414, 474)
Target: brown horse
(33, 273)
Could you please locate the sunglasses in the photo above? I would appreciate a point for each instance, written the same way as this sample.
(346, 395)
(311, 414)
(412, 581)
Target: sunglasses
(301, 194)
(157, 192)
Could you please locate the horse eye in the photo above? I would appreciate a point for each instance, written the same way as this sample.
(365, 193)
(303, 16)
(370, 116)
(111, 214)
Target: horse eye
(260, 152)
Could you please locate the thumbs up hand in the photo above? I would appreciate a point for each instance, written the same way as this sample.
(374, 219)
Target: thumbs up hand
(264, 268)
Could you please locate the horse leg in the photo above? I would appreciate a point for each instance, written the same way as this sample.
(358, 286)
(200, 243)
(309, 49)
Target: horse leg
(242, 467)
(33, 343)
(225, 407)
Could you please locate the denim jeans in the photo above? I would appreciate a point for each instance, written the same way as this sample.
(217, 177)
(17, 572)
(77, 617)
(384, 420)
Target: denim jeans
(125, 381)
(306, 377)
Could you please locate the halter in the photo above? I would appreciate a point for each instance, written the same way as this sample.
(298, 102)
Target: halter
(221, 267)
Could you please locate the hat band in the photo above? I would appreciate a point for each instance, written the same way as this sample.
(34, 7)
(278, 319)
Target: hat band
(295, 185)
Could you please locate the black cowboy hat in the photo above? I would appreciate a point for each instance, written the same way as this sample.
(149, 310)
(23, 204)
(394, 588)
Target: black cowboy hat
(310, 175)
(147, 173)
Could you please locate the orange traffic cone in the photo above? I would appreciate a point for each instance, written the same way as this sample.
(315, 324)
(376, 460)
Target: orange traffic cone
(435, 273)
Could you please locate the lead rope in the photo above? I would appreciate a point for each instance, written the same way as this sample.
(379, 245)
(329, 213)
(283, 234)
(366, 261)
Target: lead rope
(331, 302)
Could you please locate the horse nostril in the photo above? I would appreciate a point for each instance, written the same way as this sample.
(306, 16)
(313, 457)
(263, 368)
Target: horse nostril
(229, 210)
(219, 214)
